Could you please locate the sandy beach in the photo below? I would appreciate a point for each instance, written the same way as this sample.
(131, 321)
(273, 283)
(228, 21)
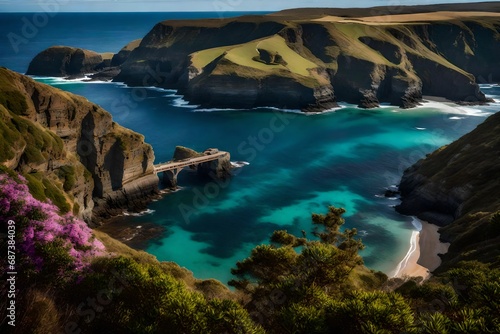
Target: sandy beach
(422, 257)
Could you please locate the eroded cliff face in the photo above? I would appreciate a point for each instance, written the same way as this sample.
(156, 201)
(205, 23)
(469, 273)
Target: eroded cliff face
(97, 165)
(162, 58)
(123, 54)
(358, 63)
(474, 49)
(312, 59)
(457, 187)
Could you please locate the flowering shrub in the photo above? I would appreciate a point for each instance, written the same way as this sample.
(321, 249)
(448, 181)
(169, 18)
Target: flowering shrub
(46, 239)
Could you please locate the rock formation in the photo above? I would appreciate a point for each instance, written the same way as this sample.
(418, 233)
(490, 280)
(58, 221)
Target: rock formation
(219, 168)
(455, 179)
(123, 54)
(310, 59)
(72, 147)
(216, 169)
(457, 187)
(63, 61)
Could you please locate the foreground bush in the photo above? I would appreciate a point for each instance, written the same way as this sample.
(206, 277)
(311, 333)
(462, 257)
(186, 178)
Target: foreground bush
(43, 240)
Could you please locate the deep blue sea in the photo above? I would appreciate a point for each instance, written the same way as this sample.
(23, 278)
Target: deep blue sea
(298, 164)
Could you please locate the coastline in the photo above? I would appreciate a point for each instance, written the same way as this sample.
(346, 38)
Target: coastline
(422, 257)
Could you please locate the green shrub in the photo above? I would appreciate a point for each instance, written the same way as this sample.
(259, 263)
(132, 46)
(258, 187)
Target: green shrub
(68, 174)
(56, 196)
(37, 189)
(145, 299)
(299, 318)
(14, 101)
(42, 188)
(76, 209)
(370, 312)
(56, 259)
(33, 155)
(40, 143)
(434, 323)
(8, 136)
(10, 172)
(57, 142)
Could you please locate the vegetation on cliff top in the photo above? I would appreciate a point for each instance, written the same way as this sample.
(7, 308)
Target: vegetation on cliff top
(182, 153)
(281, 290)
(54, 169)
(251, 55)
(468, 169)
(319, 57)
(27, 144)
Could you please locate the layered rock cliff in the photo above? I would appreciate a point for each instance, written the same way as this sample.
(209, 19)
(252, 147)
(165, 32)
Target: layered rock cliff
(321, 59)
(457, 187)
(71, 151)
(310, 59)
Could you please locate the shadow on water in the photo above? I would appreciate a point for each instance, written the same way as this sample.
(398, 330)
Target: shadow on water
(342, 159)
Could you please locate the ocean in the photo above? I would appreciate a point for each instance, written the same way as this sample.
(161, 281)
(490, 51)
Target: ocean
(294, 164)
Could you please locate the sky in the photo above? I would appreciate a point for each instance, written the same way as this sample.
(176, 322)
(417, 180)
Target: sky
(194, 5)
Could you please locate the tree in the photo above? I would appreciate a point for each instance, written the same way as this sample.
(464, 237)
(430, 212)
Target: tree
(325, 262)
(302, 274)
(370, 312)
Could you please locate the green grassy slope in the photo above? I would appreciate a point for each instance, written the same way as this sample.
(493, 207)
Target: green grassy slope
(357, 58)
(41, 137)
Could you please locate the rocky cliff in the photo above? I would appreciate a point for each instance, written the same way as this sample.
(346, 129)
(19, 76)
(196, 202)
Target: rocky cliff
(71, 151)
(64, 61)
(457, 187)
(310, 59)
(123, 54)
(219, 168)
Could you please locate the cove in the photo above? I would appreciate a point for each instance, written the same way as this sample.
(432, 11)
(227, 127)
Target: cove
(298, 164)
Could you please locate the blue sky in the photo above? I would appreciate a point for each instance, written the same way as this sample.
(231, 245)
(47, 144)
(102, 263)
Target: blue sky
(193, 5)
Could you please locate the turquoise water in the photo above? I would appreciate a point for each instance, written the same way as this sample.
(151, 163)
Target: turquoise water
(297, 164)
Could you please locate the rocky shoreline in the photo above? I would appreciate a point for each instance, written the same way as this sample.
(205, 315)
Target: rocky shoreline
(73, 153)
(454, 188)
(302, 60)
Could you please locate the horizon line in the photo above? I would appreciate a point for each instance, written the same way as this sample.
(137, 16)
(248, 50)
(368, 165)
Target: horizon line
(160, 11)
